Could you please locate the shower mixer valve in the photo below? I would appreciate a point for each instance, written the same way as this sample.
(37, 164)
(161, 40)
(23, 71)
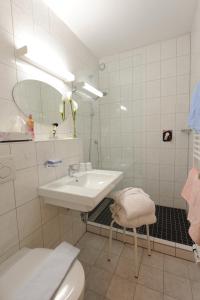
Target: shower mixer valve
(167, 135)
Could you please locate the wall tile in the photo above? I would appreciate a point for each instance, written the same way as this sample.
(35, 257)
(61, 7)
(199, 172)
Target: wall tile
(5, 16)
(182, 103)
(168, 105)
(153, 71)
(166, 172)
(168, 49)
(139, 56)
(168, 87)
(183, 65)
(139, 74)
(6, 48)
(4, 149)
(26, 185)
(153, 53)
(183, 84)
(45, 151)
(8, 231)
(153, 89)
(48, 212)
(8, 79)
(24, 154)
(34, 240)
(168, 68)
(29, 218)
(183, 45)
(46, 174)
(7, 201)
(51, 232)
(125, 76)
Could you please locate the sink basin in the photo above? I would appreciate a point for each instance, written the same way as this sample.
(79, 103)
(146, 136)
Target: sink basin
(82, 192)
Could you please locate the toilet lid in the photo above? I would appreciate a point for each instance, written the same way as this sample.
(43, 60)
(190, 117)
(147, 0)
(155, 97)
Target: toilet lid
(17, 269)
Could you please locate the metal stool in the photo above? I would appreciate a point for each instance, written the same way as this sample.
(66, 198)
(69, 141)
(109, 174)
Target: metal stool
(135, 244)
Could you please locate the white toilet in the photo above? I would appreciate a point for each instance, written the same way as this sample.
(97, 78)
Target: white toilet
(21, 266)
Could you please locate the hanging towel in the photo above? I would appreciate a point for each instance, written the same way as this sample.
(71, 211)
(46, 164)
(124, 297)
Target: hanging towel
(191, 193)
(49, 275)
(194, 116)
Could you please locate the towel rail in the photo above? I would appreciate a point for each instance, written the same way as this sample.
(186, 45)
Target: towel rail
(196, 164)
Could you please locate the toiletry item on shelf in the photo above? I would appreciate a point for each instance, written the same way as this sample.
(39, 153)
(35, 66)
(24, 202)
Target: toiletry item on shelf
(54, 129)
(30, 126)
(18, 125)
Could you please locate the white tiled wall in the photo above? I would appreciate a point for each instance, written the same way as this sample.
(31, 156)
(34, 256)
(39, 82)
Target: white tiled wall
(148, 91)
(24, 218)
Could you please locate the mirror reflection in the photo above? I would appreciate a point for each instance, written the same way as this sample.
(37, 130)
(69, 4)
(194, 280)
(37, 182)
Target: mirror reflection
(39, 99)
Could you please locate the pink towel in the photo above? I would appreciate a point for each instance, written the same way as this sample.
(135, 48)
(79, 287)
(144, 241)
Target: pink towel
(191, 193)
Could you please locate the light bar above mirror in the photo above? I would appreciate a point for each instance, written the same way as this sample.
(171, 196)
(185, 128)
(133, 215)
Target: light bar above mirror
(35, 59)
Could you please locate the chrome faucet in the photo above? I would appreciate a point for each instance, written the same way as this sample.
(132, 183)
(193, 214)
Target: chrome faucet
(73, 169)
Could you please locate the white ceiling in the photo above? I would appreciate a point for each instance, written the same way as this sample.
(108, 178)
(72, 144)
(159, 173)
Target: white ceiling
(110, 26)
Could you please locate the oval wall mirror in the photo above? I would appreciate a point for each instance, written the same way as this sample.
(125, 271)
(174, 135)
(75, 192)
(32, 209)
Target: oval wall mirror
(39, 99)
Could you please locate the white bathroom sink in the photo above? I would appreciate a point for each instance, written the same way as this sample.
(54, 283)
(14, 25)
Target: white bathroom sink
(83, 192)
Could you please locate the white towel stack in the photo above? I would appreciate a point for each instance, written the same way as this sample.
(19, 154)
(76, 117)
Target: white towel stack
(133, 208)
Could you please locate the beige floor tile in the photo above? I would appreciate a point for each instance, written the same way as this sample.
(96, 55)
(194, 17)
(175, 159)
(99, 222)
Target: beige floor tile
(102, 262)
(144, 293)
(117, 247)
(98, 280)
(128, 252)
(121, 289)
(164, 248)
(177, 287)
(89, 255)
(194, 271)
(86, 268)
(90, 295)
(195, 290)
(106, 232)
(168, 298)
(93, 229)
(151, 277)
(128, 238)
(126, 269)
(92, 240)
(176, 266)
(184, 254)
(155, 260)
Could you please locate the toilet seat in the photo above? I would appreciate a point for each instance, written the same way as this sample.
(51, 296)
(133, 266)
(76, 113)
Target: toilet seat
(20, 267)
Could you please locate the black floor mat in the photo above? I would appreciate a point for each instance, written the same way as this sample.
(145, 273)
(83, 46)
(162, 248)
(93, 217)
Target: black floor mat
(171, 225)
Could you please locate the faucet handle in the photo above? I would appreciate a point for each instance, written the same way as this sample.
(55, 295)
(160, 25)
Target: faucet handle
(74, 167)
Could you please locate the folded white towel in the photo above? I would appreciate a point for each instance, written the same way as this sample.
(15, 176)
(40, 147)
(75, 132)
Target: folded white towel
(49, 275)
(119, 195)
(133, 202)
(120, 218)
